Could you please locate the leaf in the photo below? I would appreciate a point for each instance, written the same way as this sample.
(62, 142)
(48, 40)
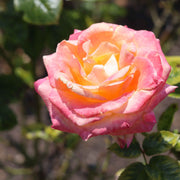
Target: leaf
(159, 142)
(163, 168)
(132, 151)
(40, 12)
(135, 171)
(25, 75)
(166, 118)
(177, 146)
(174, 77)
(12, 37)
(118, 173)
(7, 118)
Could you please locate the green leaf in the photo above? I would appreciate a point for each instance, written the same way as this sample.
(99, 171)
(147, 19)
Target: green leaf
(15, 37)
(132, 151)
(166, 118)
(25, 75)
(159, 142)
(177, 146)
(7, 118)
(163, 168)
(174, 77)
(40, 12)
(135, 171)
(118, 173)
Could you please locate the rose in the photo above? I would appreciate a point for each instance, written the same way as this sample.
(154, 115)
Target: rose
(105, 80)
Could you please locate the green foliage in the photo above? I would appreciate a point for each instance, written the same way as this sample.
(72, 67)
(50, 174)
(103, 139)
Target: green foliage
(71, 19)
(71, 140)
(40, 131)
(163, 168)
(174, 77)
(40, 12)
(103, 11)
(177, 146)
(135, 171)
(166, 118)
(132, 151)
(11, 88)
(159, 142)
(16, 36)
(7, 118)
(25, 75)
(159, 168)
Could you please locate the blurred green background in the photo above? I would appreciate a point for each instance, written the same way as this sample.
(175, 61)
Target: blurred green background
(29, 29)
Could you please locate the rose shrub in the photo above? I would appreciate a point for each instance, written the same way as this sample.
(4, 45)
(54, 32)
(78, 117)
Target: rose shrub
(105, 80)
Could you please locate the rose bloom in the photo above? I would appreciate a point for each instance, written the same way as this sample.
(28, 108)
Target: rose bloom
(105, 80)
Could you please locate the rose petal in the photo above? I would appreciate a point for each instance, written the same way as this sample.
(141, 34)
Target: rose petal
(124, 140)
(56, 99)
(122, 35)
(155, 59)
(138, 100)
(75, 35)
(162, 92)
(98, 74)
(118, 76)
(126, 57)
(103, 31)
(166, 66)
(148, 76)
(86, 91)
(111, 67)
(43, 88)
(145, 41)
(105, 48)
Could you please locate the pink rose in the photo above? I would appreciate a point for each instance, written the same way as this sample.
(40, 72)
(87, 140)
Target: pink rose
(105, 80)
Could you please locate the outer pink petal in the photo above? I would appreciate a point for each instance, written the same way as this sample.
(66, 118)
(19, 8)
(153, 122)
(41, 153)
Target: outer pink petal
(122, 125)
(148, 76)
(160, 95)
(155, 58)
(52, 64)
(56, 98)
(138, 101)
(145, 41)
(43, 88)
(75, 35)
(60, 121)
(165, 65)
(142, 123)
